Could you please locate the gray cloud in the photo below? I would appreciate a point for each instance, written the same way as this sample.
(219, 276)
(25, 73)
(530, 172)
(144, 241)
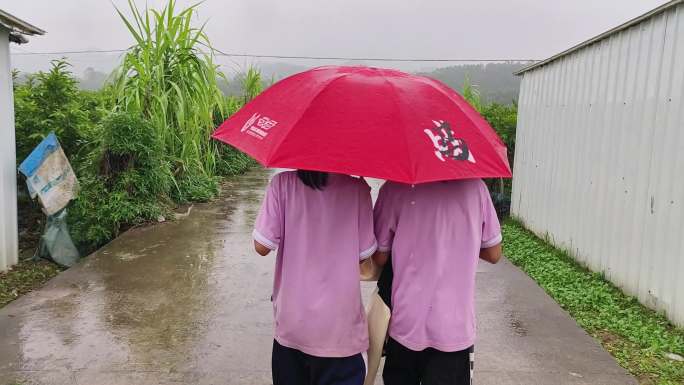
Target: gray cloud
(350, 28)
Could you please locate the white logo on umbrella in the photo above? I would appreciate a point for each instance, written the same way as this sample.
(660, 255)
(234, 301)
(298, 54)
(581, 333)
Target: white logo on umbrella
(266, 123)
(260, 129)
(250, 122)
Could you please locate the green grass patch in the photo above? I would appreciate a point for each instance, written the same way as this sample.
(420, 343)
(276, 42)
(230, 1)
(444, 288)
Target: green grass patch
(24, 277)
(639, 338)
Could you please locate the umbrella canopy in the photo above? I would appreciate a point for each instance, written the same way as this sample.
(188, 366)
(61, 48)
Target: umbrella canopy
(370, 122)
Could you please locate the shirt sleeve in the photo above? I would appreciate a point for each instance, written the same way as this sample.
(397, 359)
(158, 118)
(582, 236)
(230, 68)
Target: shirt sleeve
(491, 229)
(368, 244)
(268, 225)
(385, 219)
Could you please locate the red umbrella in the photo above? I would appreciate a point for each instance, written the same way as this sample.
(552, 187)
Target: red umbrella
(370, 122)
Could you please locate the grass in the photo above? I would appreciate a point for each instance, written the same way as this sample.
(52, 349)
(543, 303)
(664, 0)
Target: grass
(170, 78)
(639, 338)
(24, 277)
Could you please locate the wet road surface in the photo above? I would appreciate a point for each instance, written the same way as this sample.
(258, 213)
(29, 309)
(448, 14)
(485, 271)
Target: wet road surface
(187, 302)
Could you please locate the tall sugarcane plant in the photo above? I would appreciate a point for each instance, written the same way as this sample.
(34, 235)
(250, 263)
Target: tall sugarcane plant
(169, 77)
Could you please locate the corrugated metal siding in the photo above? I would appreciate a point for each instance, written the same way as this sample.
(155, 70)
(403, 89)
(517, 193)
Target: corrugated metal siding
(8, 174)
(600, 156)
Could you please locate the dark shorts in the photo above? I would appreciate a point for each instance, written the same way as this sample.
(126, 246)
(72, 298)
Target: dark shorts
(404, 366)
(385, 283)
(293, 367)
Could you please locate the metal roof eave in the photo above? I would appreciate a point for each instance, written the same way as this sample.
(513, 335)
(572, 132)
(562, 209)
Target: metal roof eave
(14, 24)
(602, 36)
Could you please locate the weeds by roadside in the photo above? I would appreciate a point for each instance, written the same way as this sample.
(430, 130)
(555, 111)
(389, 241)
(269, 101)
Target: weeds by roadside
(641, 340)
(24, 277)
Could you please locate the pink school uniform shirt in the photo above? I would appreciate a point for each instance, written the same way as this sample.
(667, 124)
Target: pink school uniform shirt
(435, 232)
(320, 237)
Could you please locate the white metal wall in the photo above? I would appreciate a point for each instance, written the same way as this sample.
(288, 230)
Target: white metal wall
(8, 173)
(599, 164)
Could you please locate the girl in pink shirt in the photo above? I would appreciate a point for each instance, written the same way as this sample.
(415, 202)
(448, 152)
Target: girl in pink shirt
(436, 233)
(321, 226)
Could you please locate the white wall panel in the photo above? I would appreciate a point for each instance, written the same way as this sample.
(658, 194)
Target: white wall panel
(599, 165)
(8, 173)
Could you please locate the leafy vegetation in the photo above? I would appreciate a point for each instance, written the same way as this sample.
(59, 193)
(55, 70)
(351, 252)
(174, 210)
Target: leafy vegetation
(172, 83)
(639, 338)
(140, 144)
(126, 181)
(503, 118)
(51, 102)
(251, 84)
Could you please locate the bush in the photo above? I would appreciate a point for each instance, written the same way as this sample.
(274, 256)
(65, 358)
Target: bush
(233, 161)
(127, 182)
(132, 158)
(51, 102)
(195, 187)
(503, 119)
(155, 147)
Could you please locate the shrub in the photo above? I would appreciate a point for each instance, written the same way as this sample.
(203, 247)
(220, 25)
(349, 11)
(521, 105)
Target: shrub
(195, 188)
(51, 102)
(126, 183)
(232, 161)
(503, 119)
(132, 158)
(155, 147)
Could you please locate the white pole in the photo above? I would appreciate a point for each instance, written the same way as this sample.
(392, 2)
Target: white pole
(9, 241)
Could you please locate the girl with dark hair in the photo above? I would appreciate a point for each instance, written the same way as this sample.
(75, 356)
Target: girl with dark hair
(321, 225)
(314, 179)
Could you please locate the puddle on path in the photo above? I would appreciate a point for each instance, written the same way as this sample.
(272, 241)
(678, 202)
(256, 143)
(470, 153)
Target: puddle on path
(175, 302)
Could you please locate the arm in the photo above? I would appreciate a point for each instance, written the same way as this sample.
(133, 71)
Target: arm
(367, 242)
(385, 218)
(380, 258)
(267, 227)
(261, 249)
(491, 254)
(490, 248)
(371, 268)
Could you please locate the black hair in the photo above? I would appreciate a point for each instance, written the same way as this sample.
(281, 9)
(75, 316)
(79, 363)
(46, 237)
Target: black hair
(317, 180)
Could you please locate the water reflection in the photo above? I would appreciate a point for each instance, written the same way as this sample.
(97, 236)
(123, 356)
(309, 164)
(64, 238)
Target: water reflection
(144, 308)
(180, 302)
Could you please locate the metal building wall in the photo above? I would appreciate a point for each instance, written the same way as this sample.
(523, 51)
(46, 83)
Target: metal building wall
(599, 164)
(8, 173)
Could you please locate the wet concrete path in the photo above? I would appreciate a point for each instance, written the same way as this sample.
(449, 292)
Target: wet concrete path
(187, 302)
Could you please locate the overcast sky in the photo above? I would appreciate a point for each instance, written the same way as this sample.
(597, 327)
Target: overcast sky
(479, 29)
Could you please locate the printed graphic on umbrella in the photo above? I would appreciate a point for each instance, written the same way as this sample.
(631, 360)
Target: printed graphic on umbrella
(366, 121)
(447, 146)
